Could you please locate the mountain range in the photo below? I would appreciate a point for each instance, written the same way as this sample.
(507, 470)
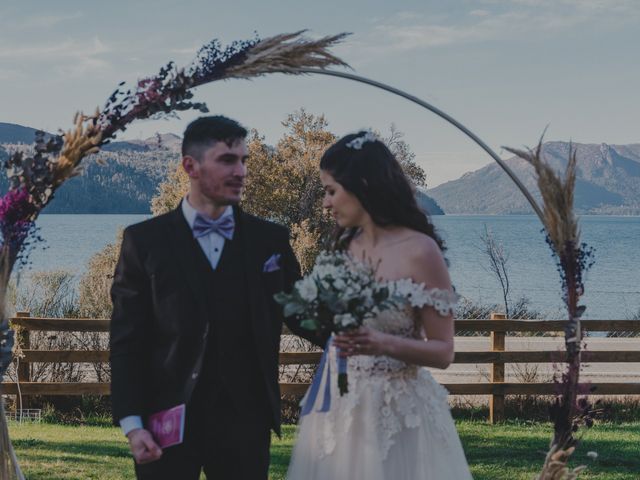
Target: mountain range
(126, 182)
(608, 179)
(607, 182)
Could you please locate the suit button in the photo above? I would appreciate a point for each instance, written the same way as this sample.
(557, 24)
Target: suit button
(194, 375)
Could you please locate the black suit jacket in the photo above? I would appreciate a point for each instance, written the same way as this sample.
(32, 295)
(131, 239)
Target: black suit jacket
(160, 322)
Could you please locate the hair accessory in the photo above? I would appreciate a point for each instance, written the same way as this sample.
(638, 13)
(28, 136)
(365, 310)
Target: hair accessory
(357, 142)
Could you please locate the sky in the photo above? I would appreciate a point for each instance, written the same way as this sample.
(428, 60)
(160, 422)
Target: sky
(504, 68)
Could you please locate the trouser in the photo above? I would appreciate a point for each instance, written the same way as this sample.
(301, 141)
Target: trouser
(220, 440)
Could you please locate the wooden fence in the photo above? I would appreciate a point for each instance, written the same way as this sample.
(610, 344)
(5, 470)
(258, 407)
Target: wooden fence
(497, 388)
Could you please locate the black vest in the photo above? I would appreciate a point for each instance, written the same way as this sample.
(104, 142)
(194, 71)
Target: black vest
(230, 361)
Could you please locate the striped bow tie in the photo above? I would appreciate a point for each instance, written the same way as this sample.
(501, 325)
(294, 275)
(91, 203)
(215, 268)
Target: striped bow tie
(204, 226)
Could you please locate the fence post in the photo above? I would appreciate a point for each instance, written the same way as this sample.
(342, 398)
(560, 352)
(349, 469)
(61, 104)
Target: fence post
(496, 402)
(24, 370)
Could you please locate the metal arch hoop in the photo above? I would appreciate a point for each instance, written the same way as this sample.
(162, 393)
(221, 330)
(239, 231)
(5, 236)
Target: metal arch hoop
(441, 114)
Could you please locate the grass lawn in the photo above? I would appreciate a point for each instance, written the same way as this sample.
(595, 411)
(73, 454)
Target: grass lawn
(508, 451)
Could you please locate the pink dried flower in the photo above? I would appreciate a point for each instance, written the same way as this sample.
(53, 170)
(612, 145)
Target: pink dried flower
(16, 213)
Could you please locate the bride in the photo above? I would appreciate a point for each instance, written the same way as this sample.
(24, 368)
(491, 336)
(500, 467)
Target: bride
(394, 423)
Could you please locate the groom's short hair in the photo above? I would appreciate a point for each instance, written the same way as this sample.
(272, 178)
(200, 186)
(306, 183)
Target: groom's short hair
(204, 132)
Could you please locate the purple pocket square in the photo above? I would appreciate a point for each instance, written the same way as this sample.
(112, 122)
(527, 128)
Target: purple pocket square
(272, 264)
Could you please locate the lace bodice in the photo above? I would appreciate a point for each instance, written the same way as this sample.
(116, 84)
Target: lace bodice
(404, 323)
(396, 322)
(401, 395)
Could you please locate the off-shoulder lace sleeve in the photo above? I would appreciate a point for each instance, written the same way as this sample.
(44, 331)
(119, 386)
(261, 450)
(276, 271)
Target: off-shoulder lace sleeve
(417, 295)
(444, 301)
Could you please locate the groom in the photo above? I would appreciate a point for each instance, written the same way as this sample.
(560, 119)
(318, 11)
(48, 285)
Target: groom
(194, 321)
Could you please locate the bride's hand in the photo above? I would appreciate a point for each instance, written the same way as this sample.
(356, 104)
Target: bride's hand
(363, 341)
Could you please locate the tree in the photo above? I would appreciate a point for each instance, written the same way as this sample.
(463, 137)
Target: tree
(50, 294)
(95, 285)
(498, 258)
(170, 191)
(283, 183)
(94, 300)
(405, 157)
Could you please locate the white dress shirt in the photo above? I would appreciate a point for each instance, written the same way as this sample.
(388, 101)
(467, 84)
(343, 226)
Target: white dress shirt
(213, 242)
(212, 245)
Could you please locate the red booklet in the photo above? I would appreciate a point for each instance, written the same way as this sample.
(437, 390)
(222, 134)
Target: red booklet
(167, 426)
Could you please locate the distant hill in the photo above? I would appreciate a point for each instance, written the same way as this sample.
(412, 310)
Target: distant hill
(428, 204)
(126, 184)
(165, 141)
(608, 182)
(12, 133)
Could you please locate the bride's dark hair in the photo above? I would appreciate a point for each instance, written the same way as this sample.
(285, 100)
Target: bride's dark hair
(375, 177)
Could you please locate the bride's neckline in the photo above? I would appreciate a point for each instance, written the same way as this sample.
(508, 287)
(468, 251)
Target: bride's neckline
(443, 300)
(370, 264)
(362, 257)
(405, 238)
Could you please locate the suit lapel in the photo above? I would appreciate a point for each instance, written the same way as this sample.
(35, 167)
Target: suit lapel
(258, 308)
(189, 256)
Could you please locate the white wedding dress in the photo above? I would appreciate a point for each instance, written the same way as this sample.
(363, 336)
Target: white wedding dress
(393, 424)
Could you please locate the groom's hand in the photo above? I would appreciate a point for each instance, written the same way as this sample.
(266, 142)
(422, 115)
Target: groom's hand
(143, 446)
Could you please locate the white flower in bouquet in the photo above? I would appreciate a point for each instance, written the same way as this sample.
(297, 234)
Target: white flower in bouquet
(367, 295)
(349, 291)
(308, 289)
(345, 320)
(339, 284)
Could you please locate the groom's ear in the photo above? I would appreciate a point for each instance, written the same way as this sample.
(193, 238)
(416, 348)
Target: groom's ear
(190, 166)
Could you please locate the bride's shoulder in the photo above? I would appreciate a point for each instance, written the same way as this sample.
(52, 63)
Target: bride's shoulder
(421, 247)
(426, 261)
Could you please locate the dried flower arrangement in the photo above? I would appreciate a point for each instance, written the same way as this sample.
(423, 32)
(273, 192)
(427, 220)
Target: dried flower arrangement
(568, 413)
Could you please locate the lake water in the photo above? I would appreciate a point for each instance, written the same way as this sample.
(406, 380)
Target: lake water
(612, 285)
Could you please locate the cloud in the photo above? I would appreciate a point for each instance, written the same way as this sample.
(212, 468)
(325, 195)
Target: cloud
(609, 5)
(504, 19)
(592, 8)
(407, 15)
(479, 13)
(409, 37)
(71, 57)
(184, 51)
(6, 74)
(189, 52)
(48, 21)
(66, 49)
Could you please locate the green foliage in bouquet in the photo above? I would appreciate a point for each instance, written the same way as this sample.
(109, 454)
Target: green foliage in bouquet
(338, 294)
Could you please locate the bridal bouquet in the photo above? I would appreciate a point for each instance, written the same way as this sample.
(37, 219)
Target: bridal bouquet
(336, 296)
